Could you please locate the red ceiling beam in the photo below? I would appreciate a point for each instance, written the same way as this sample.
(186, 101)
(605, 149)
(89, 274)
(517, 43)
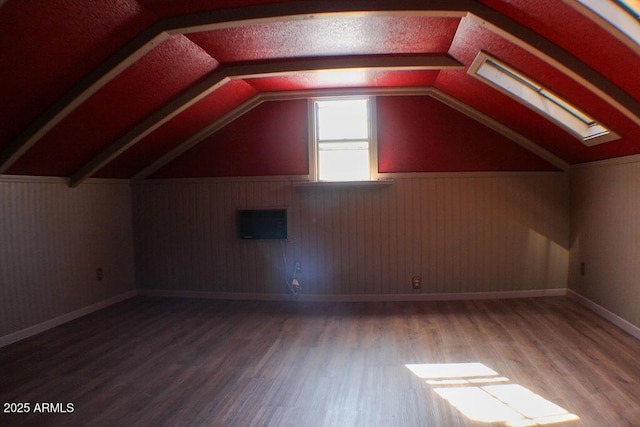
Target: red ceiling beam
(222, 18)
(309, 9)
(255, 69)
(80, 92)
(562, 60)
(304, 94)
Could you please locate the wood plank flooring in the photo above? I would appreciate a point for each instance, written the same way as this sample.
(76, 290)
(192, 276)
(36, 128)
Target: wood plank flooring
(184, 362)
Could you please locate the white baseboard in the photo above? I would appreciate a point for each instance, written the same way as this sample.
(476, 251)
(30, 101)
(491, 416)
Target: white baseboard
(52, 323)
(213, 295)
(623, 324)
(56, 321)
(353, 297)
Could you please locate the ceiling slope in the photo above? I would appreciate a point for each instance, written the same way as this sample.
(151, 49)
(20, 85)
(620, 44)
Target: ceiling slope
(120, 88)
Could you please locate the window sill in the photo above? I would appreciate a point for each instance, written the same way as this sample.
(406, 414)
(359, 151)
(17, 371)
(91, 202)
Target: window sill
(342, 184)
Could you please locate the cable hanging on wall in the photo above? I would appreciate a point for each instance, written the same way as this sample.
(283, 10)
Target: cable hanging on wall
(293, 285)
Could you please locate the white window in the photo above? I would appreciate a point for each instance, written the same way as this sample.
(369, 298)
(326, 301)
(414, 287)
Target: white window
(535, 96)
(343, 139)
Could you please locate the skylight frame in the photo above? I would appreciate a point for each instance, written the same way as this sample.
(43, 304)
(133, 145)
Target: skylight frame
(631, 9)
(620, 14)
(535, 96)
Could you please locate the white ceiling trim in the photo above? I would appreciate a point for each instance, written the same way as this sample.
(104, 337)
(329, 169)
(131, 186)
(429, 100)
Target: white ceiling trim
(501, 129)
(566, 64)
(148, 39)
(305, 94)
(265, 69)
(622, 27)
(83, 90)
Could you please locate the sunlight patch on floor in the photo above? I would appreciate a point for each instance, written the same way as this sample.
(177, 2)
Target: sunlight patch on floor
(479, 393)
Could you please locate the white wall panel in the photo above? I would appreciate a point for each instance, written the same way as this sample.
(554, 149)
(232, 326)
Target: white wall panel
(53, 239)
(606, 236)
(460, 232)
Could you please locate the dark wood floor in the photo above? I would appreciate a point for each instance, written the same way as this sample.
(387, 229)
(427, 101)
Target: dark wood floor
(180, 362)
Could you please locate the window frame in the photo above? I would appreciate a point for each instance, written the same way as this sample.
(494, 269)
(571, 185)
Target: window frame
(314, 158)
(538, 98)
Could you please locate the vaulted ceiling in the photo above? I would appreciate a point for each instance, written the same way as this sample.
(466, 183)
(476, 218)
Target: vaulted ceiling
(121, 88)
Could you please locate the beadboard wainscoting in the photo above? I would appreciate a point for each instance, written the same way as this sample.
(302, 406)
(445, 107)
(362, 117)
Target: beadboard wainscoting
(461, 233)
(53, 241)
(605, 236)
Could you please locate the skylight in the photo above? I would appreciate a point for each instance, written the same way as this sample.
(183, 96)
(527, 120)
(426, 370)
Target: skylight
(527, 91)
(624, 15)
(631, 6)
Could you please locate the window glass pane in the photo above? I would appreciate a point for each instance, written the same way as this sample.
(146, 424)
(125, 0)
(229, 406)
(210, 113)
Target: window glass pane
(343, 165)
(539, 99)
(342, 119)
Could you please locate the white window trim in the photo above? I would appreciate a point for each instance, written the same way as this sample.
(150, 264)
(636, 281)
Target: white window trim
(588, 134)
(313, 137)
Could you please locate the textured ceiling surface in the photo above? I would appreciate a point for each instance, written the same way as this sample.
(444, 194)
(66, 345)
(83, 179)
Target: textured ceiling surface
(120, 88)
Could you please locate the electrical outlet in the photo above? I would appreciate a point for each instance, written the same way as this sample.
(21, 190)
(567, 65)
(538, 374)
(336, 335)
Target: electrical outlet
(582, 269)
(416, 282)
(99, 273)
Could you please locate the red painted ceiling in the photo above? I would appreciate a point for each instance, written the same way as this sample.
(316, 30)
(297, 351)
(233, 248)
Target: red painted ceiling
(180, 128)
(234, 150)
(48, 45)
(141, 88)
(328, 79)
(119, 88)
(329, 36)
(567, 28)
(473, 37)
(415, 134)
